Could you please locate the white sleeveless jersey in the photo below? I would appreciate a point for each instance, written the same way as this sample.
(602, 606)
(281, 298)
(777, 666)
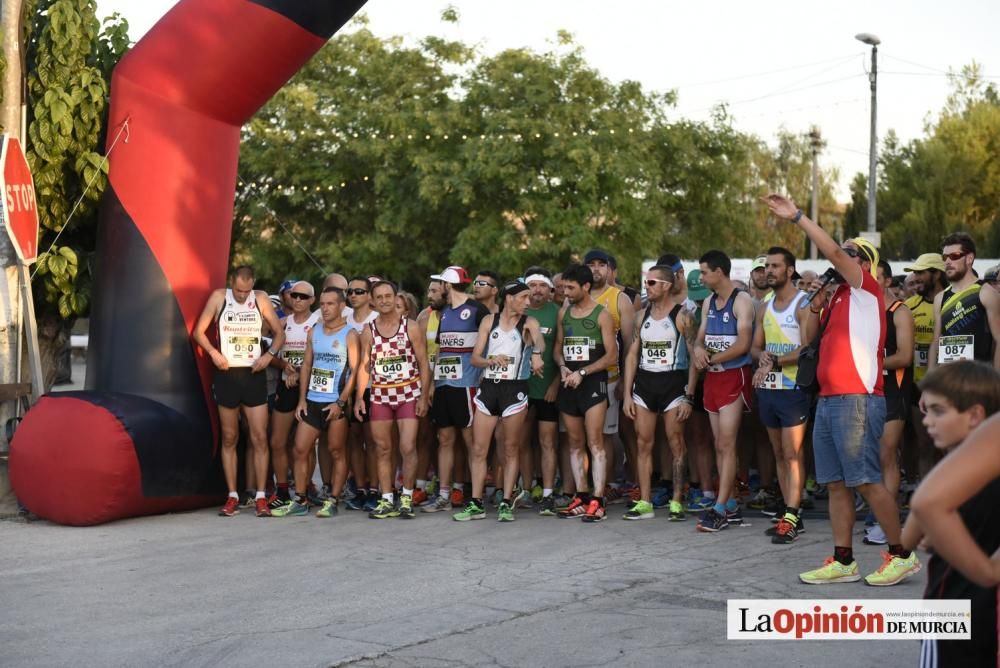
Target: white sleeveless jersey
(658, 345)
(240, 328)
(359, 327)
(508, 343)
(294, 349)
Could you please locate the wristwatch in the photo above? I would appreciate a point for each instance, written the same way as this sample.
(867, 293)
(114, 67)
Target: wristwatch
(798, 216)
(341, 403)
(582, 371)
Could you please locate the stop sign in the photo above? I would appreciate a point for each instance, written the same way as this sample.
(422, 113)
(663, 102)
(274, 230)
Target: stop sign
(17, 203)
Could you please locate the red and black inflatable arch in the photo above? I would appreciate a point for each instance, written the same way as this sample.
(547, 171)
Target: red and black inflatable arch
(142, 438)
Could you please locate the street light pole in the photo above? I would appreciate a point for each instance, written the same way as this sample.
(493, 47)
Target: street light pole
(873, 41)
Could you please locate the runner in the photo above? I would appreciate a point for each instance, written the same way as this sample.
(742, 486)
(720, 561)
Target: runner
(360, 444)
(326, 377)
(585, 348)
(485, 288)
(543, 412)
(394, 357)
(455, 382)
(723, 349)
(782, 326)
(966, 317)
(239, 314)
(297, 323)
(658, 375)
(502, 352)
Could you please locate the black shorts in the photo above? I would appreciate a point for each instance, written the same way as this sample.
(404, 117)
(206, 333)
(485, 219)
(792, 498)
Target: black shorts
(368, 409)
(286, 398)
(545, 411)
(699, 395)
(239, 387)
(658, 392)
(897, 404)
(452, 407)
(593, 390)
(316, 417)
(503, 399)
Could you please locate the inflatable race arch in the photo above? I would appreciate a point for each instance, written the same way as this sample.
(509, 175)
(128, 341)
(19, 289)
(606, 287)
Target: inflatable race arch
(143, 437)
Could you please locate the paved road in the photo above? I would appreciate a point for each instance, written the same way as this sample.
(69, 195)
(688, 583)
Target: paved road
(194, 589)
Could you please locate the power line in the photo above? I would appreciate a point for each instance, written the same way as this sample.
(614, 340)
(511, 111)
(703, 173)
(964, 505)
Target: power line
(767, 73)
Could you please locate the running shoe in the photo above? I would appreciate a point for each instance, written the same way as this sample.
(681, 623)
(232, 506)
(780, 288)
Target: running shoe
(547, 507)
(811, 485)
(787, 530)
(329, 508)
(384, 510)
(613, 495)
(870, 519)
(457, 497)
(419, 497)
(472, 511)
(562, 501)
(276, 501)
(249, 500)
(831, 572)
(358, 501)
(860, 505)
(660, 498)
(595, 512)
(316, 497)
(677, 512)
(800, 527)
(522, 499)
(371, 503)
(231, 508)
(776, 508)
(634, 494)
(576, 508)
(406, 507)
(291, 509)
(807, 502)
(700, 503)
(537, 493)
(753, 482)
(262, 508)
(437, 504)
(505, 513)
(712, 522)
(432, 487)
(735, 517)
(761, 500)
(894, 570)
(641, 510)
(875, 536)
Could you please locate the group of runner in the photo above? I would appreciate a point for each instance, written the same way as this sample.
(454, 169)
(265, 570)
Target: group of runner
(547, 386)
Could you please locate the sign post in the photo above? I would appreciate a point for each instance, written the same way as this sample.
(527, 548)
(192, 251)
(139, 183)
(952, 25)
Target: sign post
(19, 211)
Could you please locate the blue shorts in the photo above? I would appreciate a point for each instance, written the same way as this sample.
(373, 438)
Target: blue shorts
(783, 408)
(846, 437)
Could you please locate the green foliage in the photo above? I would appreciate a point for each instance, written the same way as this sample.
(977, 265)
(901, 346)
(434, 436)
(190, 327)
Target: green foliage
(946, 181)
(385, 158)
(69, 61)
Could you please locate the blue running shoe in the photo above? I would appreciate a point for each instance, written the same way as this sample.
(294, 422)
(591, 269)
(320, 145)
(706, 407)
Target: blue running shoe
(357, 502)
(661, 497)
(712, 522)
(870, 521)
(700, 503)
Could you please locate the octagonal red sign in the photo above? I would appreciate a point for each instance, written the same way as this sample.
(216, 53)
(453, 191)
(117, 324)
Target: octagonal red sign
(17, 205)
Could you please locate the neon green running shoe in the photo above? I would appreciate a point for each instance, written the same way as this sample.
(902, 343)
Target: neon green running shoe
(640, 510)
(470, 512)
(894, 570)
(406, 507)
(383, 510)
(329, 508)
(830, 572)
(291, 509)
(677, 513)
(505, 513)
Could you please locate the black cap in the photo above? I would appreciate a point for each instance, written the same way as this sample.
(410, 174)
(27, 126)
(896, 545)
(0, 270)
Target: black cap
(598, 254)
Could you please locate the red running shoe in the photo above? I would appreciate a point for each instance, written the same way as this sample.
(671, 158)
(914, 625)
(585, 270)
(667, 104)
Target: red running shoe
(419, 497)
(595, 512)
(576, 508)
(457, 498)
(262, 509)
(231, 508)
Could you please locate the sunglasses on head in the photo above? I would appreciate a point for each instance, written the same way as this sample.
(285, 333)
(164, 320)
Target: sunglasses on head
(483, 284)
(357, 291)
(301, 296)
(957, 255)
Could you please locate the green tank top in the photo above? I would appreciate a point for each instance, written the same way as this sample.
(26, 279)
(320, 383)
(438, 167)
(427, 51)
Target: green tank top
(582, 340)
(547, 317)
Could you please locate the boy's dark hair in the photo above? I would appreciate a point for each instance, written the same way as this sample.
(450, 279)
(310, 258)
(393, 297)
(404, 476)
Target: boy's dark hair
(788, 256)
(579, 274)
(332, 289)
(962, 239)
(716, 259)
(965, 383)
(489, 273)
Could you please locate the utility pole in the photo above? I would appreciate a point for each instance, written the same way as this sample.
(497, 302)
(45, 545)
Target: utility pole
(816, 144)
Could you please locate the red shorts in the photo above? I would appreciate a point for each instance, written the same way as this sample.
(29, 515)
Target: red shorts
(724, 387)
(403, 411)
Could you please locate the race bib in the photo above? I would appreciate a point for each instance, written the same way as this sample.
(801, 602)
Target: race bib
(772, 381)
(321, 380)
(717, 343)
(657, 354)
(448, 368)
(923, 353)
(393, 368)
(505, 372)
(241, 350)
(576, 349)
(954, 348)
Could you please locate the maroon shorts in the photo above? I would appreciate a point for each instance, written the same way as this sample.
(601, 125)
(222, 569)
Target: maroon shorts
(724, 387)
(403, 411)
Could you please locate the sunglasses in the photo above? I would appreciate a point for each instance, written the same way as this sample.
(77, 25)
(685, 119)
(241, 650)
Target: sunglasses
(954, 257)
(357, 291)
(300, 296)
(483, 284)
(851, 252)
(650, 282)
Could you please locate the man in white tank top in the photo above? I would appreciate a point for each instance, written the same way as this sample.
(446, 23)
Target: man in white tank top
(240, 383)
